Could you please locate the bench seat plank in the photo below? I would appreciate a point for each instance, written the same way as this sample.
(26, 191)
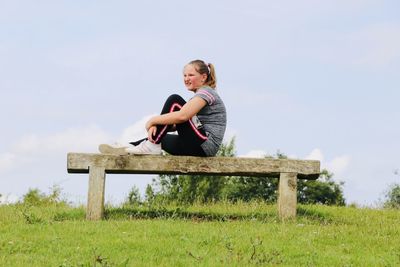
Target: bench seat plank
(158, 164)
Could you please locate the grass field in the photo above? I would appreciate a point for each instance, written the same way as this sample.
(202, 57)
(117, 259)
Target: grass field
(242, 234)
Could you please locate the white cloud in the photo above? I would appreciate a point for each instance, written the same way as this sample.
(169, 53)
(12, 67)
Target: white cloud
(6, 161)
(254, 154)
(8, 199)
(134, 132)
(337, 165)
(316, 154)
(35, 148)
(73, 139)
(39, 161)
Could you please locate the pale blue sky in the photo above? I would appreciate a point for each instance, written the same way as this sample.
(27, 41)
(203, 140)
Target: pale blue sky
(313, 79)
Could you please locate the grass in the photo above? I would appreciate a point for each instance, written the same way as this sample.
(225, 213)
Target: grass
(224, 234)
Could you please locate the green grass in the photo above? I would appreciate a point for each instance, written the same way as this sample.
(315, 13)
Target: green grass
(242, 234)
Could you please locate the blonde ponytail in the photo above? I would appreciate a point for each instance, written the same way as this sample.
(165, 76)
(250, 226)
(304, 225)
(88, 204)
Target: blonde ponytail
(209, 69)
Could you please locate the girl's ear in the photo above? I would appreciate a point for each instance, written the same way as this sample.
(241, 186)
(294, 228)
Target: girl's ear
(204, 76)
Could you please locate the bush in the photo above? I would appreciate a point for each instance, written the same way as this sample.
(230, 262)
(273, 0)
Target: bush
(133, 196)
(34, 197)
(393, 197)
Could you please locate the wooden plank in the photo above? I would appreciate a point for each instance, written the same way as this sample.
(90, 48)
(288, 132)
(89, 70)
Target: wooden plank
(95, 205)
(158, 164)
(287, 196)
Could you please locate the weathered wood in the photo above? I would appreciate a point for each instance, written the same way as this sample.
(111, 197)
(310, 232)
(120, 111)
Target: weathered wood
(95, 207)
(287, 196)
(232, 166)
(287, 170)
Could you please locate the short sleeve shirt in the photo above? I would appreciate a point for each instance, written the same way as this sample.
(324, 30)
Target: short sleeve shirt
(213, 118)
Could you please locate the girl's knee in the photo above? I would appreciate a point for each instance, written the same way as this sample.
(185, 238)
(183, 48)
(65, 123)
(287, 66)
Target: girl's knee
(175, 98)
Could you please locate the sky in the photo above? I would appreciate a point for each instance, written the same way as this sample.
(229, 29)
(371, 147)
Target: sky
(311, 79)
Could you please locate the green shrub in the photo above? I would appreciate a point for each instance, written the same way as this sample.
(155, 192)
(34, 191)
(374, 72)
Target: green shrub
(34, 197)
(393, 197)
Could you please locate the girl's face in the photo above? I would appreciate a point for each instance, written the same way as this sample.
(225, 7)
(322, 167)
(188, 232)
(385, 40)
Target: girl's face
(192, 79)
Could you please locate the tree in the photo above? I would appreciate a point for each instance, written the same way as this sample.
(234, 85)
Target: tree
(250, 188)
(322, 191)
(393, 197)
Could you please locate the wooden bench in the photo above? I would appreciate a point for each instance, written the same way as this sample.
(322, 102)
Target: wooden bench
(287, 170)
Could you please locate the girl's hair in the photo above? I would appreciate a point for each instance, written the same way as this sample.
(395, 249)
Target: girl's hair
(203, 68)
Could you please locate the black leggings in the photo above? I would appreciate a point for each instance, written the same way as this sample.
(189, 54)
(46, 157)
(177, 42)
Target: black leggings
(189, 138)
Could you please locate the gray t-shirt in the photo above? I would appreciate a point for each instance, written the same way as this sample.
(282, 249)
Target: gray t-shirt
(213, 119)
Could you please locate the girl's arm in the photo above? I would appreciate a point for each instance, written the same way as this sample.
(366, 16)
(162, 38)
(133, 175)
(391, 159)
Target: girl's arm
(188, 110)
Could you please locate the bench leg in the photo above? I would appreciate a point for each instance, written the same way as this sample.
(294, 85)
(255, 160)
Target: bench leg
(95, 205)
(287, 196)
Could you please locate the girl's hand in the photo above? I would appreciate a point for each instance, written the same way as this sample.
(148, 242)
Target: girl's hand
(148, 125)
(151, 132)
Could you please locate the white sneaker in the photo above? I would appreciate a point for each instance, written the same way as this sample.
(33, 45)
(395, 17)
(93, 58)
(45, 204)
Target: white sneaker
(145, 147)
(114, 149)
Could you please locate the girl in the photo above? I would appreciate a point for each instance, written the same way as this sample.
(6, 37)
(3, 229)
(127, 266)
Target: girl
(200, 122)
